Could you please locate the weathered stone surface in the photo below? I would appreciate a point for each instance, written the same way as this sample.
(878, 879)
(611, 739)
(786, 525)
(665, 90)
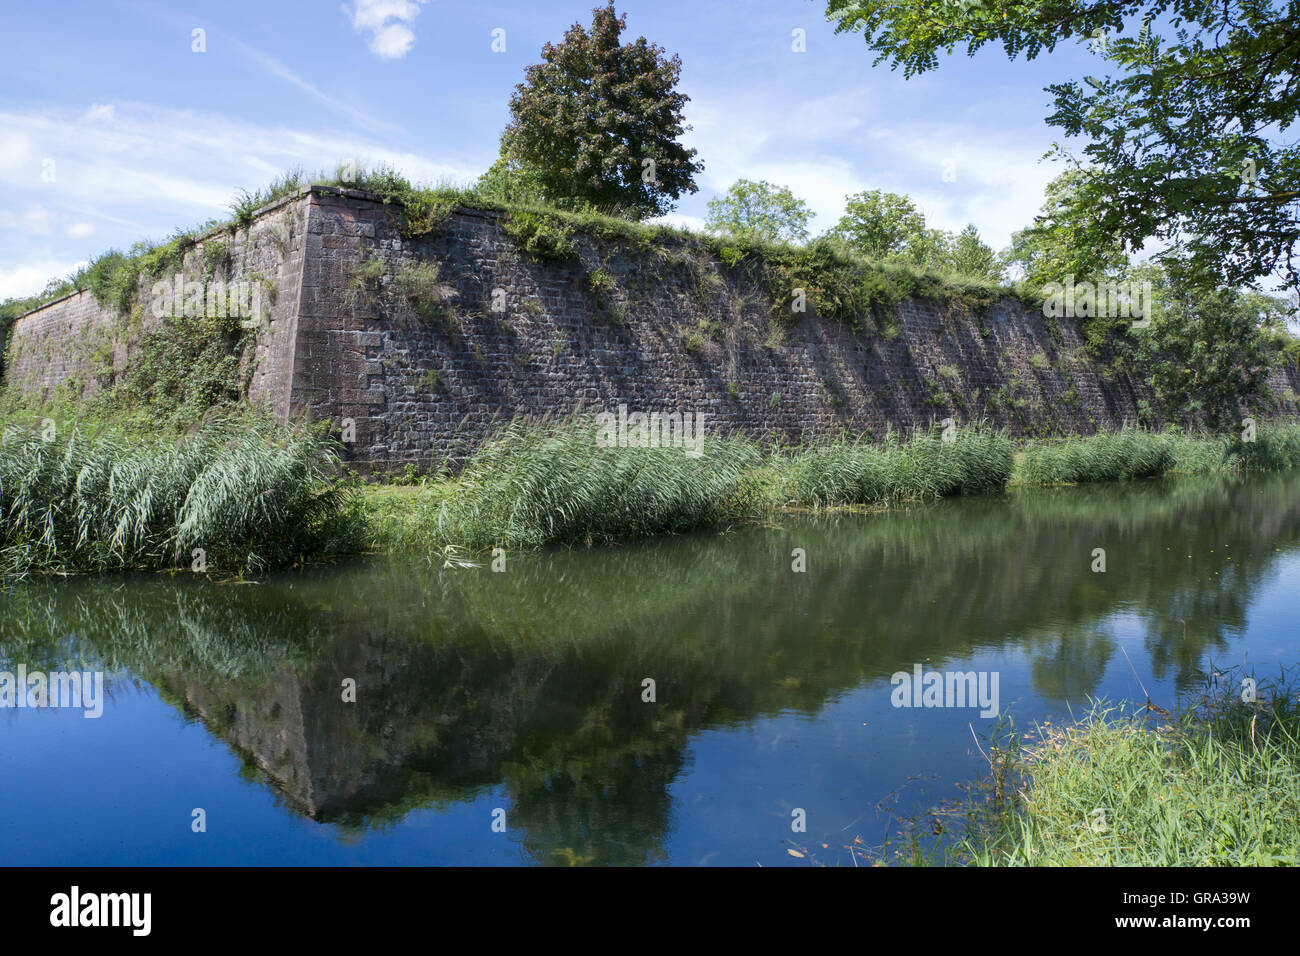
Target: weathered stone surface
(424, 383)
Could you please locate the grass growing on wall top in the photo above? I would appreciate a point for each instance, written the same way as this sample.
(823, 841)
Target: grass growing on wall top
(839, 283)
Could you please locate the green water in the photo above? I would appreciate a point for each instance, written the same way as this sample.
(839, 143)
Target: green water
(518, 697)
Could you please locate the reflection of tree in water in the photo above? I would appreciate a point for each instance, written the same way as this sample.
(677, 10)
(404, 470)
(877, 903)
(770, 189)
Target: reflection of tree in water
(469, 680)
(1070, 665)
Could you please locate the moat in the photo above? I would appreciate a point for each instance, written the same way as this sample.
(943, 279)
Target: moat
(518, 698)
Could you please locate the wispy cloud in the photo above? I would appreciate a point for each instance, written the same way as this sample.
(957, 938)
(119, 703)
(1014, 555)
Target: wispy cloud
(359, 118)
(148, 171)
(388, 22)
(956, 170)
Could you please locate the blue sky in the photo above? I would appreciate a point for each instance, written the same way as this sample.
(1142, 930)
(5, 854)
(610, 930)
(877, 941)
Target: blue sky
(112, 129)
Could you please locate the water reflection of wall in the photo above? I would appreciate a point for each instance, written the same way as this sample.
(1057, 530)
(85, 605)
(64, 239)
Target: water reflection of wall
(531, 679)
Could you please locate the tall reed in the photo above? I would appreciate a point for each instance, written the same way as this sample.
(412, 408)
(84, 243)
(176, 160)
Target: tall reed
(922, 466)
(247, 494)
(542, 484)
(1137, 453)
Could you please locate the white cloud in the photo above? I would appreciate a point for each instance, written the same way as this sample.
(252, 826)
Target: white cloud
(829, 147)
(35, 220)
(101, 113)
(393, 42)
(31, 277)
(389, 24)
(151, 170)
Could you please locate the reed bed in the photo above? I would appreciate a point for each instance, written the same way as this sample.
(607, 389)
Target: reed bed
(1137, 453)
(547, 484)
(247, 494)
(922, 466)
(1276, 447)
(1105, 456)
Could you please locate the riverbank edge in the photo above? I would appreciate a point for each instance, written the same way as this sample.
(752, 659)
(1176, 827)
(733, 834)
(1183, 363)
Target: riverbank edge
(1216, 782)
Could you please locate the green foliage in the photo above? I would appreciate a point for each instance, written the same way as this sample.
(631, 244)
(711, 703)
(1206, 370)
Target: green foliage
(182, 371)
(250, 495)
(888, 227)
(112, 281)
(883, 225)
(542, 235)
(588, 119)
(553, 484)
(923, 466)
(1180, 119)
(1208, 352)
(1066, 239)
(969, 255)
(759, 211)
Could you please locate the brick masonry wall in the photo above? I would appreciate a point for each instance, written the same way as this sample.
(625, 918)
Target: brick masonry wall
(74, 347)
(425, 344)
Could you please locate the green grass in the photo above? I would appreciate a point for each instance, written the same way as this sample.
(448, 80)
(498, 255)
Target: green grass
(551, 484)
(1218, 785)
(250, 495)
(924, 466)
(1137, 453)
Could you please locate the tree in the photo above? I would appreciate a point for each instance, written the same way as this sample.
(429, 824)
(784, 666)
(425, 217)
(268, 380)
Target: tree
(971, 256)
(597, 122)
(759, 211)
(884, 225)
(1065, 239)
(1182, 130)
(1209, 350)
(888, 226)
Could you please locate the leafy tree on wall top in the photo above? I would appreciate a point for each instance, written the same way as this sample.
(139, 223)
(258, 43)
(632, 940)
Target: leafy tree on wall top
(883, 225)
(889, 227)
(596, 123)
(1183, 130)
(1065, 239)
(759, 211)
(970, 255)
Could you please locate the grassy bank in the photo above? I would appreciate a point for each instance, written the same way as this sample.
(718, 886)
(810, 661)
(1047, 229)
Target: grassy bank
(552, 485)
(239, 495)
(1218, 785)
(252, 496)
(1136, 453)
